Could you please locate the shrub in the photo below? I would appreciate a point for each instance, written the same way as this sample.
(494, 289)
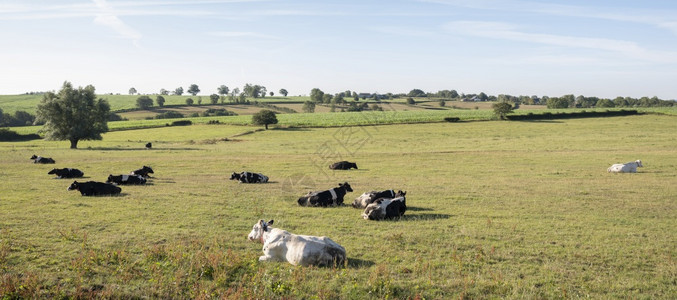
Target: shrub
(144, 102)
(182, 123)
(169, 115)
(9, 135)
(411, 101)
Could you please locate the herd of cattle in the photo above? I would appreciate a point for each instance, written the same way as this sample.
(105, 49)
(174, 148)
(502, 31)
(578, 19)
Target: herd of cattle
(278, 244)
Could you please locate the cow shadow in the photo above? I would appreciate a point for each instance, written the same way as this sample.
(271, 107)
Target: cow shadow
(356, 263)
(424, 217)
(414, 208)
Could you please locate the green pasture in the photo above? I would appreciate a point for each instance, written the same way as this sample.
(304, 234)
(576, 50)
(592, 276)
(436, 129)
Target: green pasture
(496, 209)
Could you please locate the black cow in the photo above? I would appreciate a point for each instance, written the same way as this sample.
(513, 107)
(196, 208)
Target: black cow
(331, 197)
(385, 208)
(126, 179)
(343, 165)
(249, 177)
(66, 173)
(143, 171)
(369, 197)
(93, 188)
(149, 145)
(42, 160)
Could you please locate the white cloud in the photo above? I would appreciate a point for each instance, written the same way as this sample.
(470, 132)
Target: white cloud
(106, 17)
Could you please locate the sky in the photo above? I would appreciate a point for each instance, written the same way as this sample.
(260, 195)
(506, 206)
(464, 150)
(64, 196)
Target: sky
(604, 48)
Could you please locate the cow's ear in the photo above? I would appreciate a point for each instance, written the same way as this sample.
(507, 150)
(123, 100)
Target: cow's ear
(270, 223)
(340, 184)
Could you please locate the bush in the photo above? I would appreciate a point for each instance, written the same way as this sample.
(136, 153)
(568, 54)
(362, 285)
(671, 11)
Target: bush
(411, 101)
(115, 117)
(7, 135)
(144, 102)
(169, 115)
(452, 119)
(182, 123)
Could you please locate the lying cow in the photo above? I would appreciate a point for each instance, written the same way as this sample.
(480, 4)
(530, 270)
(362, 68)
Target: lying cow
(42, 160)
(93, 188)
(66, 173)
(249, 177)
(385, 208)
(630, 167)
(143, 171)
(369, 197)
(126, 179)
(149, 145)
(330, 197)
(343, 165)
(304, 250)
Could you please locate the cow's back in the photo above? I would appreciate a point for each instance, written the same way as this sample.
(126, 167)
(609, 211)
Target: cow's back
(308, 250)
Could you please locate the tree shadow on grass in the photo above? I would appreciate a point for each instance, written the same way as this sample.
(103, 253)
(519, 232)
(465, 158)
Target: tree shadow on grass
(132, 149)
(356, 263)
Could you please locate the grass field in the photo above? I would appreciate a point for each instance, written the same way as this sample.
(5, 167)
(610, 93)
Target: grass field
(496, 210)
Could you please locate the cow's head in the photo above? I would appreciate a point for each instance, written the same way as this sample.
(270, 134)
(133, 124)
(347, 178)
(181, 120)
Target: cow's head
(639, 163)
(147, 169)
(74, 186)
(353, 165)
(53, 171)
(259, 228)
(346, 186)
(34, 156)
(110, 178)
(401, 194)
(235, 176)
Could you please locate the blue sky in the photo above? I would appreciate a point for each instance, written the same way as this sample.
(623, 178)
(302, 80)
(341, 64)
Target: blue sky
(517, 47)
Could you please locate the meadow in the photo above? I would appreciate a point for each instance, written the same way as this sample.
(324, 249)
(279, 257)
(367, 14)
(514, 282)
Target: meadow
(496, 209)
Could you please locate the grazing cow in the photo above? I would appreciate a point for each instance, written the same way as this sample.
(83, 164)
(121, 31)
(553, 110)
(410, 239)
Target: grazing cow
(630, 167)
(126, 179)
(343, 165)
(304, 250)
(143, 171)
(93, 188)
(369, 197)
(149, 145)
(385, 208)
(66, 173)
(249, 177)
(330, 197)
(42, 160)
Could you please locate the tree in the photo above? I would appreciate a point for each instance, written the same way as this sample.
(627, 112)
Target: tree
(214, 98)
(144, 102)
(483, 96)
(264, 117)
(189, 101)
(193, 89)
(283, 92)
(316, 95)
(254, 91)
(132, 91)
(271, 94)
(223, 90)
(309, 107)
(164, 92)
(73, 114)
(160, 101)
(416, 93)
(442, 102)
(411, 101)
(178, 91)
(501, 109)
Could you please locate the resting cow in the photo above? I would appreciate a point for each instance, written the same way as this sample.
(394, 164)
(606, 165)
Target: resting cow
(66, 173)
(143, 171)
(249, 177)
(42, 160)
(385, 208)
(304, 250)
(93, 188)
(343, 165)
(149, 145)
(630, 167)
(369, 197)
(330, 197)
(126, 179)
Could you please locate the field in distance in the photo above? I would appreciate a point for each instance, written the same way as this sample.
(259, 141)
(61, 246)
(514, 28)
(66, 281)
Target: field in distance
(495, 210)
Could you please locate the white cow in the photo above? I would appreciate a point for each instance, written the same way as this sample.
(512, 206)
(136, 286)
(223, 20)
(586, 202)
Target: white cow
(630, 167)
(305, 250)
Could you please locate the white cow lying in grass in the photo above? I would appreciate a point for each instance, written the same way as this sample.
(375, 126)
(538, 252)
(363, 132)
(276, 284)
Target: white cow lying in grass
(304, 250)
(630, 167)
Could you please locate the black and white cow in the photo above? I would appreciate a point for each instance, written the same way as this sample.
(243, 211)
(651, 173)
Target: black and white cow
(149, 145)
(143, 171)
(66, 173)
(93, 188)
(126, 179)
(330, 197)
(42, 160)
(385, 208)
(343, 165)
(369, 197)
(249, 177)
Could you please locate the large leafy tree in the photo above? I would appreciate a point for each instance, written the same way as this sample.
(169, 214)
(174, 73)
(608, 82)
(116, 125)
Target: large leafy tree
(144, 102)
(223, 90)
(264, 117)
(73, 114)
(501, 109)
(283, 92)
(193, 89)
(178, 91)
